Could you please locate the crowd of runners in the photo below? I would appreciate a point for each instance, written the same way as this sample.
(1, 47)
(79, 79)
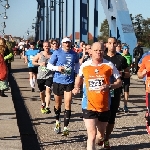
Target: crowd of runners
(100, 72)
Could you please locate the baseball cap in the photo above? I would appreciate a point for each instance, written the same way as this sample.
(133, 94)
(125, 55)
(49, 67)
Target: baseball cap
(66, 39)
(125, 47)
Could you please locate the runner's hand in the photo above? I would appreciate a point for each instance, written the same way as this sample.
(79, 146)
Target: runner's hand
(104, 88)
(75, 91)
(61, 69)
(144, 72)
(43, 64)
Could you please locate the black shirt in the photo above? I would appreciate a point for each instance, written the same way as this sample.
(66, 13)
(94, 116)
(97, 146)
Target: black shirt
(118, 60)
(120, 63)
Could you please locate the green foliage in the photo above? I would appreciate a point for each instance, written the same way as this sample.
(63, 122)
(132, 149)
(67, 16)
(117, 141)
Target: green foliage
(104, 31)
(31, 38)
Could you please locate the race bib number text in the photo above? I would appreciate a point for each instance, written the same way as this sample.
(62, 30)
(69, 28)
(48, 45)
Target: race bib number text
(95, 84)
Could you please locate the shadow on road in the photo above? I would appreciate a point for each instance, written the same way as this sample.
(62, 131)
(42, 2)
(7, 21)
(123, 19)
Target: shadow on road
(131, 147)
(79, 138)
(29, 138)
(20, 70)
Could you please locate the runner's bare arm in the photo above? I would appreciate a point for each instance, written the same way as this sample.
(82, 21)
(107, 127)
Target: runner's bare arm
(35, 60)
(116, 84)
(25, 59)
(142, 71)
(142, 74)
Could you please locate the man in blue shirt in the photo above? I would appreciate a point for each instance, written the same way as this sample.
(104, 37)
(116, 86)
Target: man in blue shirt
(33, 70)
(65, 63)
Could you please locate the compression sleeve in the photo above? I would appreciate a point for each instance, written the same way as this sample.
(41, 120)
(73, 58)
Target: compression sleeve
(8, 56)
(52, 67)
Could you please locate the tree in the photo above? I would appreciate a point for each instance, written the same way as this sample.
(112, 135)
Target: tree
(104, 31)
(31, 38)
(138, 23)
(146, 32)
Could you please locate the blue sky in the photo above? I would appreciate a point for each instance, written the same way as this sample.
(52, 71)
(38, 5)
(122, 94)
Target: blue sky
(22, 12)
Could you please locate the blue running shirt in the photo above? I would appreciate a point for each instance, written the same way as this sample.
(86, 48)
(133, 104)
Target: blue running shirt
(66, 59)
(30, 55)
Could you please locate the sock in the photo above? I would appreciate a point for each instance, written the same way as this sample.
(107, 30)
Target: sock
(31, 83)
(43, 104)
(34, 81)
(65, 128)
(57, 113)
(67, 115)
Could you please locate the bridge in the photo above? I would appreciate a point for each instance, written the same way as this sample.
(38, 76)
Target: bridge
(116, 11)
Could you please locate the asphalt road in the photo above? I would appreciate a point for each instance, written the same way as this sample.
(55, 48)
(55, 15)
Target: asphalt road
(37, 129)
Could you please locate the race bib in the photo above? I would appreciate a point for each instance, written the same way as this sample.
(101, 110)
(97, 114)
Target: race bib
(112, 93)
(95, 84)
(67, 70)
(44, 69)
(31, 57)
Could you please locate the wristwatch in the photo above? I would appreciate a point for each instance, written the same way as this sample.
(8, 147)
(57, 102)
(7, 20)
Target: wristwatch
(110, 87)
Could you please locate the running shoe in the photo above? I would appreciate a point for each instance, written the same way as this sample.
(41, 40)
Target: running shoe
(57, 128)
(42, 109)
(126, 109)
(119, 109)
(101, 142)
(47, 111)
(32, 90)
(106, 145)
(65, 132)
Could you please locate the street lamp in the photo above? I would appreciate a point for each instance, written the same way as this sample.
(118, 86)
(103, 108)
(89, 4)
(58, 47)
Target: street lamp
(2, 31)
(6, 6)
(4, 25)
(5, 16)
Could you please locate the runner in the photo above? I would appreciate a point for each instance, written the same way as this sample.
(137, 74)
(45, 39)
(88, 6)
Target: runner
(3, 69)
(33, 70)
(86, 54)
(126, 81)
(21, 45)
(44, 77)
(54, 45)
(144, 71)
(121, 64)
(96, 100)
(63, 62)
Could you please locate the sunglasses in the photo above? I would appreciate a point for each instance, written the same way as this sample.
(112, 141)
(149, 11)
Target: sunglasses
(54, 43)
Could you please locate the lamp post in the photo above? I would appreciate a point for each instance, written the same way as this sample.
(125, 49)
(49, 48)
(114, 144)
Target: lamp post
(6, 6)
(5, 16)
(4, 24)
(2, 31)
